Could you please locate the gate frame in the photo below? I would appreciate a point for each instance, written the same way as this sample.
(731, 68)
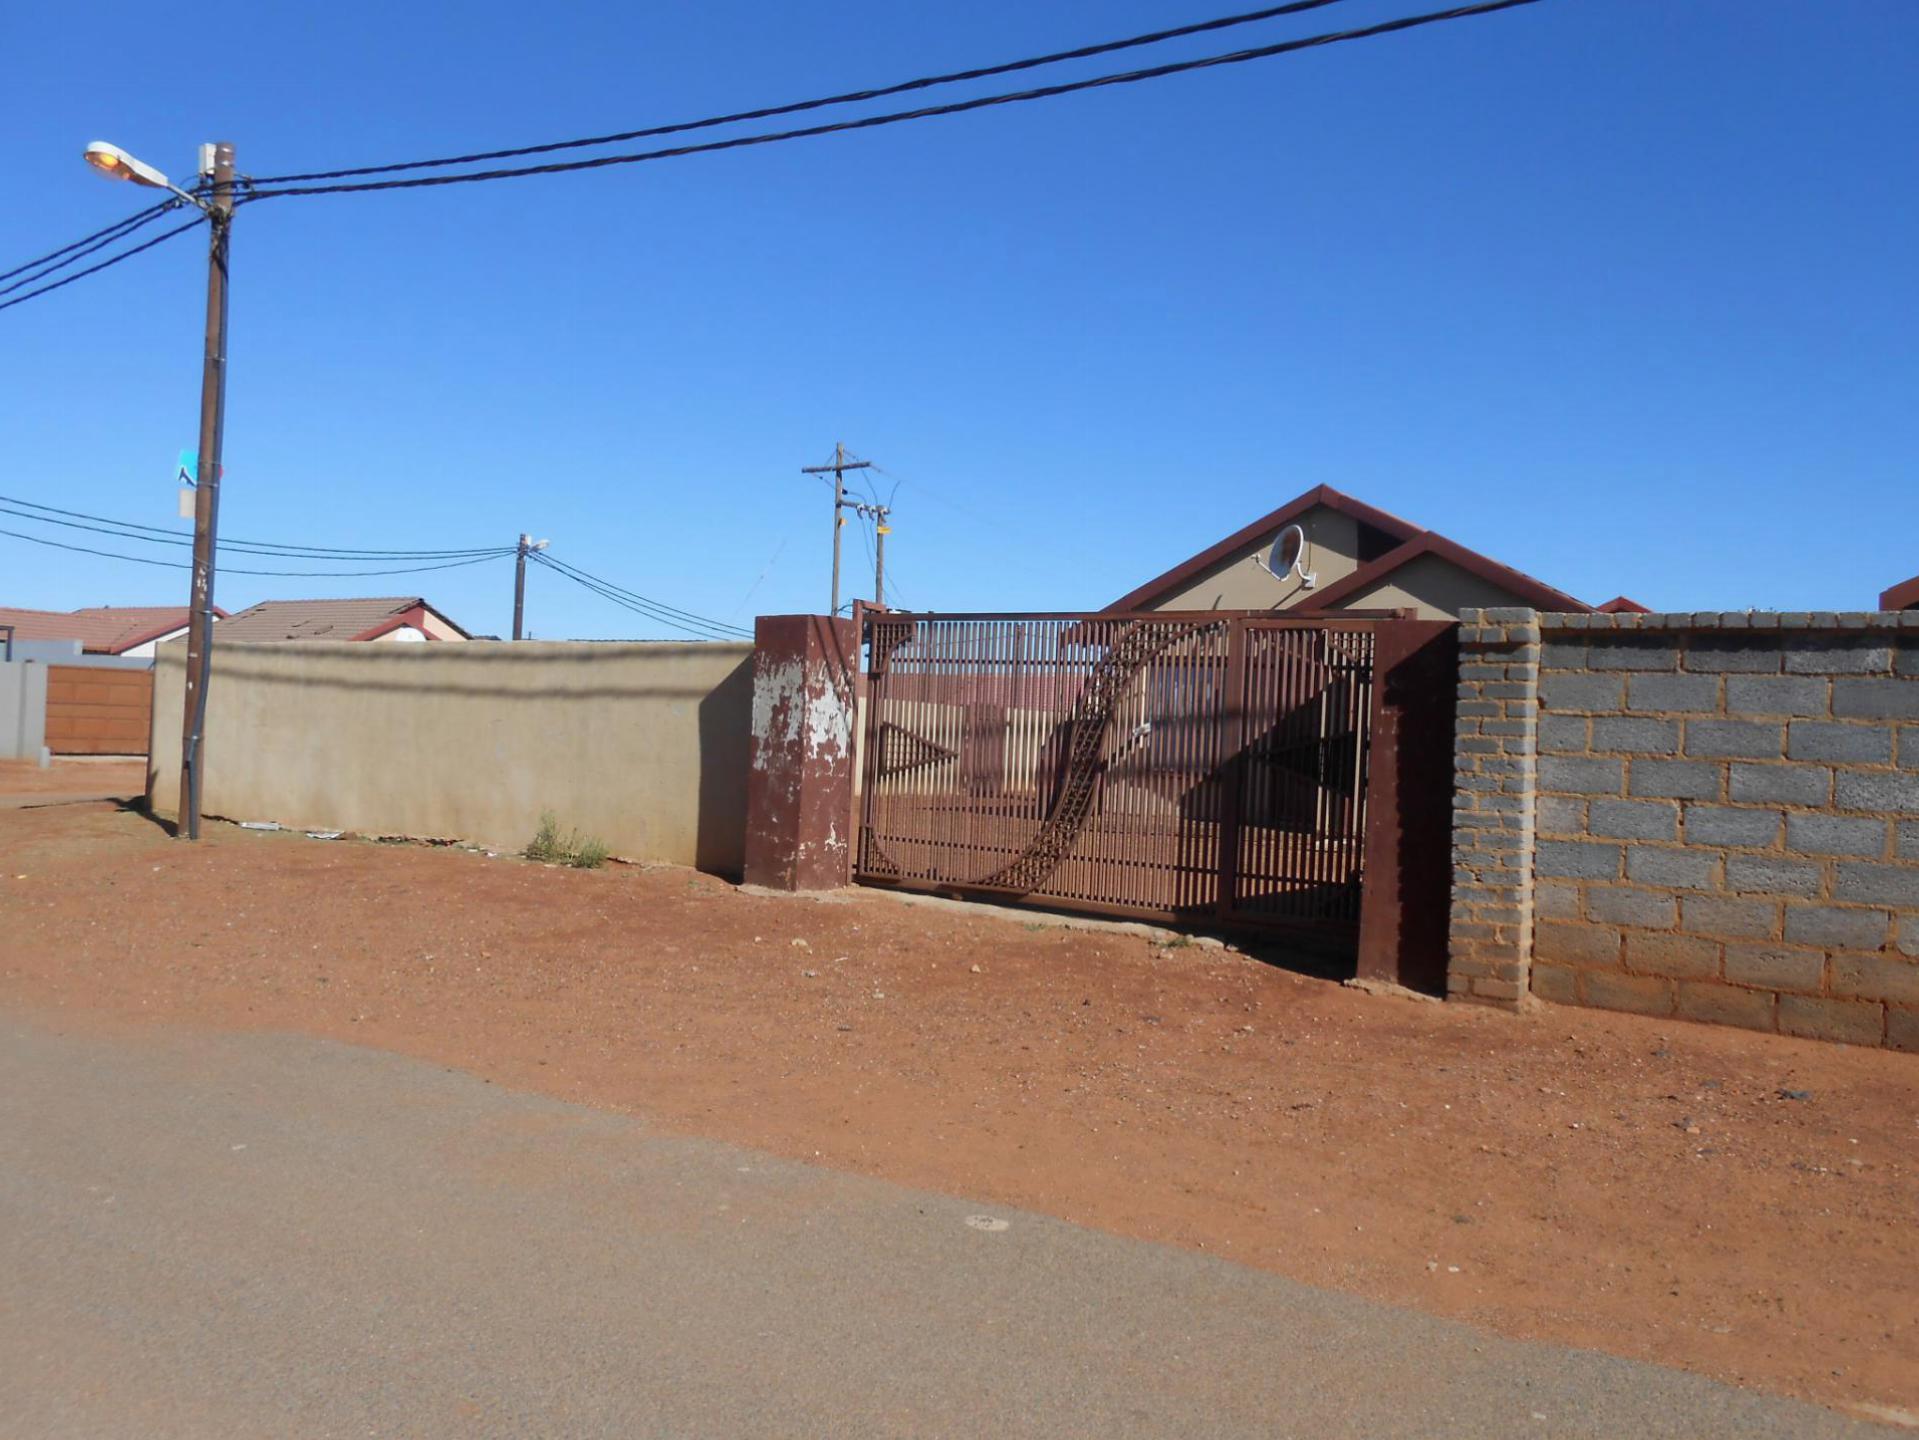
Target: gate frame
(1405, 864)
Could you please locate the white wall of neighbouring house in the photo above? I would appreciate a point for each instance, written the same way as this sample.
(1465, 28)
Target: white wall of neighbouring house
(146, 651)
(404, 634)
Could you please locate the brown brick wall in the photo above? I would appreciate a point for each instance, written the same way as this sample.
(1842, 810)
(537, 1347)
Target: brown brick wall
(1725, 821)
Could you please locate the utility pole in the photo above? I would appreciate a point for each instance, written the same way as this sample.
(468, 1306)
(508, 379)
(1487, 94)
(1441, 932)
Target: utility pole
(527, 546)
(878, 514)
(838, 468)
(206, 494)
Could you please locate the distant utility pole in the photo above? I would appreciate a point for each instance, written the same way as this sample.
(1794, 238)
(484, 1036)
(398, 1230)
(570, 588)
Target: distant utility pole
(878, 514)
(838, 469)
(527, 546)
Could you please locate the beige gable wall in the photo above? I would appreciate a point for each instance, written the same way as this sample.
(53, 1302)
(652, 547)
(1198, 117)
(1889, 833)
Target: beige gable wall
(1437, 588)
(438, 629)
(1238, 583)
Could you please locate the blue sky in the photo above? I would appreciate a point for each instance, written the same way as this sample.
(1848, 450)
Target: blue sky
(1619, 291)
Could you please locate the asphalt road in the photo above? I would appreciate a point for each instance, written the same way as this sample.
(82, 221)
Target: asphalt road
(216, 1235)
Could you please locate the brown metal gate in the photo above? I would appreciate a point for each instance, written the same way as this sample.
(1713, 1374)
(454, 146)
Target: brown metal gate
(94, 710)
(1205, 767)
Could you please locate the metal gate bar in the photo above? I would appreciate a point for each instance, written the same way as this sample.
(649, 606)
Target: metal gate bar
(1189, 767)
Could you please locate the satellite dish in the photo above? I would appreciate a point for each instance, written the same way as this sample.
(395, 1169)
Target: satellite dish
(1288, 557)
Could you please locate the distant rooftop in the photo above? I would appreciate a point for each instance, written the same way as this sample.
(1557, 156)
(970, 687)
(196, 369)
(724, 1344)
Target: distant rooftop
(100, 629)
(350, 619)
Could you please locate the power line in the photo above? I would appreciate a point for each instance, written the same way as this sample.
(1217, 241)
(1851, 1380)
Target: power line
(850, 97)
(679, 619)
(753, 589)
(938, 495)
(870, 122)
(156, 535)
(109, 234)
(81, 249)
(695, 625)
(575, 570)
(229, 570)
(110, 261)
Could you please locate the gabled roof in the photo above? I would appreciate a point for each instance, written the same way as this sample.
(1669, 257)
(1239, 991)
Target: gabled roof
(1623, 605)
(1536, 593)
(1414, 542)
(350, 619)
(100, 629)
(1903, 596)
(1226, 549)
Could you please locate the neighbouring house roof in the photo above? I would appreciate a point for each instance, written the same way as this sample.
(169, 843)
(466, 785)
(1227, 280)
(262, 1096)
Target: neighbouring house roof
(351, 619)
(100, 629)
(1414, 542)
(1903, 596)
(1623, 605)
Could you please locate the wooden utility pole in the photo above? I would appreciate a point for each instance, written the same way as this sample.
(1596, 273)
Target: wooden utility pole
(206, 494)
(527, 546)
(878, 514)
(838, 468)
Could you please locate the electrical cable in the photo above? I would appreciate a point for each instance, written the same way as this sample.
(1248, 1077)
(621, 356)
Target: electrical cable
(81, 249)
(658, 609)
(850, 97)
(703, 630)
(110, 233)
(634, 595)
(870, 122)
(230, 570)
(936, 495)
(766, 570)
(110, 261)
(157, 535)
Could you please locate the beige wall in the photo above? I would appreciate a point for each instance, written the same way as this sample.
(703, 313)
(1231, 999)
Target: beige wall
(643, 745)
(437, 629)
(1239, 583)
(1434, 587)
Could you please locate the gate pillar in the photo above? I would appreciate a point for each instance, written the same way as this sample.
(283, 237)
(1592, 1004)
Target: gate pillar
(799, 787)
(1406, 904)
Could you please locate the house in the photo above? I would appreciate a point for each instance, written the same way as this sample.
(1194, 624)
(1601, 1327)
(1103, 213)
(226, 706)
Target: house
(1346, 556)
(403, 618)
(1903, 596)
(92, 690)
(127, 631)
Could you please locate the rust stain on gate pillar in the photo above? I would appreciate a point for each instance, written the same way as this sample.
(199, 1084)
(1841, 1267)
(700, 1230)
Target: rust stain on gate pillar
(799, 789)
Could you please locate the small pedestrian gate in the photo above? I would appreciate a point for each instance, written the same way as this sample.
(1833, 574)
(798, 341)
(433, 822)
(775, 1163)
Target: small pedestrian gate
(1192, 767)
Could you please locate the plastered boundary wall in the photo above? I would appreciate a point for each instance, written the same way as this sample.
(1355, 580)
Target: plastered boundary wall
(23, 710)
(643, 745)
(1712, 816)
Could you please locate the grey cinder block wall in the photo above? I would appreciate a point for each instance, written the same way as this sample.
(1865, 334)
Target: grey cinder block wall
(1713, 816)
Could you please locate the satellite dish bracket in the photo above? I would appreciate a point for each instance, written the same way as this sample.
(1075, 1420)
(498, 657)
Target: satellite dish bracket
(1269, 562)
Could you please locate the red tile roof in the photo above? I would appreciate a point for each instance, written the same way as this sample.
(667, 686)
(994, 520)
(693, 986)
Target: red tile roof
(349, 619)
(100, 629)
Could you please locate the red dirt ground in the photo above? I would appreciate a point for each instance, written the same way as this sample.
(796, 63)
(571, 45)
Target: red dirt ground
(1733, 1203)
(22, 782)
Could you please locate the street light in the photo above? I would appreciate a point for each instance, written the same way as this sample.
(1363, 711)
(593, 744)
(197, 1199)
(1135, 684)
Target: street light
(116, 164)
(216, 175)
